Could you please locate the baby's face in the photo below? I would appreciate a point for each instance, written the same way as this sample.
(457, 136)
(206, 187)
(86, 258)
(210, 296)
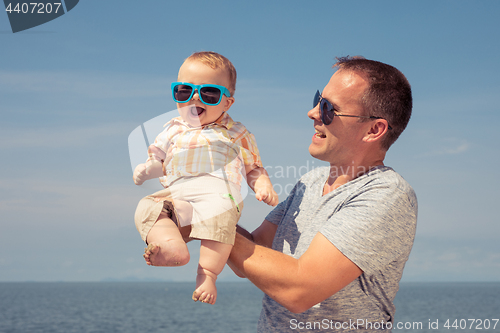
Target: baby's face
(195, 112)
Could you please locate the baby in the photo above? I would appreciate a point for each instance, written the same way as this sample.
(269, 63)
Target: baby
(202, 157)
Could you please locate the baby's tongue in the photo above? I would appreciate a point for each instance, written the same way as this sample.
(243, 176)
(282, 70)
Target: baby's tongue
(196, 110)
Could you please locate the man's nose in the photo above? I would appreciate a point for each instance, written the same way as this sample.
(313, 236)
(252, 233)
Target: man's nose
(314, 113)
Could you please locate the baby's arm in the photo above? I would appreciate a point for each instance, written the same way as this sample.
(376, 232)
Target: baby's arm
(259, 182)
(153, 168)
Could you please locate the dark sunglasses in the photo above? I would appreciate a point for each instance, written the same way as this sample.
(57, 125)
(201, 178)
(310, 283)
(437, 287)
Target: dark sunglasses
(327, 110)
(210, 94)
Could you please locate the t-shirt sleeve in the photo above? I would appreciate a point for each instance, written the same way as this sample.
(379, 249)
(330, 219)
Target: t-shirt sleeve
(276, 215)
(373, 228)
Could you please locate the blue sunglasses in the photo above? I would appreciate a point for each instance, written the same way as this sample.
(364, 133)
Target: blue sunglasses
(327, 110)
(210, 94)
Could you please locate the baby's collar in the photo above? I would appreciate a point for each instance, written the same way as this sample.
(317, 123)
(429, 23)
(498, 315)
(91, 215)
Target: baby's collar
(225, 120)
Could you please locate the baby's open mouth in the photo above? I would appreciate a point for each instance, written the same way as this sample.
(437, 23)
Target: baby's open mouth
(196, 111)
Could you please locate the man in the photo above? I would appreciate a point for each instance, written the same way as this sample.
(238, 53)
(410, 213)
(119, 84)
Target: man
(331, 255)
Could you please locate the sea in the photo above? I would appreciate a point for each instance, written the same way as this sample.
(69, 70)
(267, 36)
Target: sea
(150, 307)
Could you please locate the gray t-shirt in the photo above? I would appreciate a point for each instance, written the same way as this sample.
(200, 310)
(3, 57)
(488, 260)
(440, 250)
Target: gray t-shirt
(372, 221)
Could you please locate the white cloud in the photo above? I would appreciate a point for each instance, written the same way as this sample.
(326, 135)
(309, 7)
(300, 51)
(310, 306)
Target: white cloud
(457, 104)
(66, 202)
(450, 146)
(453, 260)
(91, 84)
(431, 145)
(60, 137)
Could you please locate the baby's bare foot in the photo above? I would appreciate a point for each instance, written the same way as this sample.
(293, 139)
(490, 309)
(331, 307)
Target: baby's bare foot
(206, 291)
(166, 254)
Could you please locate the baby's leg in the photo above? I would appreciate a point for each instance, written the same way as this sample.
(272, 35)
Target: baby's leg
(184, 212)
(166, 246)
(213, 257)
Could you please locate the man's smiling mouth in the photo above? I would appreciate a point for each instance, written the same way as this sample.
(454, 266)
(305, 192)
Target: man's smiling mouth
(320, 135)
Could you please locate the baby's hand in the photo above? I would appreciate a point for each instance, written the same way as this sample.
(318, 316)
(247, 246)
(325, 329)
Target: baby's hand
(139, 174)
(268, 195)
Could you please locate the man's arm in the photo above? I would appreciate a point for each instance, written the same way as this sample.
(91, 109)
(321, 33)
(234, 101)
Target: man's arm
(297, 284)
(263, 235)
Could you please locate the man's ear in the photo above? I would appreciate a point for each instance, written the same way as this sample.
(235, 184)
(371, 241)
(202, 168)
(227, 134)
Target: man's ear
(228, 103)
(377, 130)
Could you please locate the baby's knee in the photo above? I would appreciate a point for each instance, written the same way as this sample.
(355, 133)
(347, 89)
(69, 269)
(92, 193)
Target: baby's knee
(183, 256)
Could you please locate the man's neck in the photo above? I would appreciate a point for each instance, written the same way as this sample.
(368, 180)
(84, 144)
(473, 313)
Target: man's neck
(340, 175)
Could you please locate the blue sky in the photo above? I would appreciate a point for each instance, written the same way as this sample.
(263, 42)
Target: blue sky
(73, 89)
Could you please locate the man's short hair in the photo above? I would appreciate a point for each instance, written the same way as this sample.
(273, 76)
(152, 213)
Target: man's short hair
(388, 95)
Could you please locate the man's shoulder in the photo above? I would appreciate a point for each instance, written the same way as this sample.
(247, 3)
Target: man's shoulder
(387, 177)
(315, 174)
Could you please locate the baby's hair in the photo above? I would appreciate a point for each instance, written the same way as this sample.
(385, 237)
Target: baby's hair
(215, 61)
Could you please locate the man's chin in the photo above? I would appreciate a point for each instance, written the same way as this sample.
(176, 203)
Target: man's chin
(317, 154)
